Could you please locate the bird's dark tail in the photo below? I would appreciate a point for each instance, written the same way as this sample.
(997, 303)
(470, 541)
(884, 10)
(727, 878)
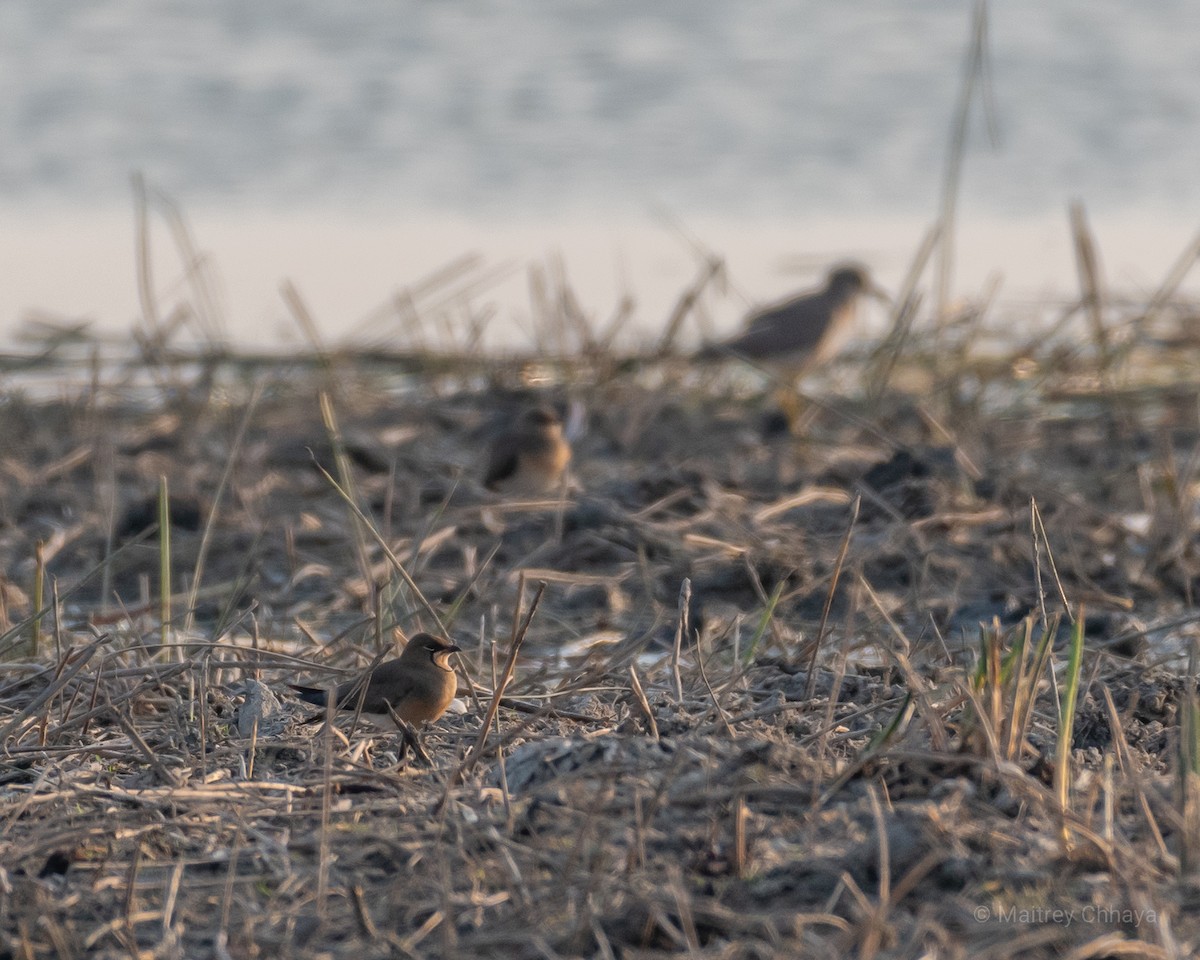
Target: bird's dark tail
(311, 694)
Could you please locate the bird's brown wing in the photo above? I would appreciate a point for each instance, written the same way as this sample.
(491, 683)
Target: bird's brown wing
(766, 341)
(798, 326)
(392, 682)
(502, 463)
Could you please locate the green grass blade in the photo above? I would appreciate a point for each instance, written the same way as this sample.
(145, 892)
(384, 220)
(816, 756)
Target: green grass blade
(1066, 718)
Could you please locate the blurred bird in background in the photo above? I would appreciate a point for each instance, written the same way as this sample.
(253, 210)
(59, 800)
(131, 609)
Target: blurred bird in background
(792, 338)
(803, 331)
(531, 457)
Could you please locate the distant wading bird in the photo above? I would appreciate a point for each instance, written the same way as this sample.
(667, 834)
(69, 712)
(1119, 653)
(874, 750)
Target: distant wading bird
(805, 331)
(531, 457)
(419, 685)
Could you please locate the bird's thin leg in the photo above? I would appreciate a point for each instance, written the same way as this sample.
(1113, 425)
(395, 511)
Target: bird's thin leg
(787, 397)
(408, 737)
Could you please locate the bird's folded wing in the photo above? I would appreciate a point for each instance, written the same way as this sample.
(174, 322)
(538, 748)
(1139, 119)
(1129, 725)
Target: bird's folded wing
(393, 689)
(501, 466)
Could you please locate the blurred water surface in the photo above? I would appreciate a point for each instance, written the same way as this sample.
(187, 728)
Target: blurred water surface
(770, 110)
(734, 107)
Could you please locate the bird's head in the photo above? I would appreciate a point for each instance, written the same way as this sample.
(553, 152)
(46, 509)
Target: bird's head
(426, 645)
(541, 419)
(851, 279)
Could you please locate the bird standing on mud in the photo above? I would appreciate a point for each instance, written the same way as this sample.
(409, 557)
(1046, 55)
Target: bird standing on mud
(804, 331)
(419, 685)
(531, 457)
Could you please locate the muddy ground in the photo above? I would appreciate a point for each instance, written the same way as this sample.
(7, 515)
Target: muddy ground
(746, 719)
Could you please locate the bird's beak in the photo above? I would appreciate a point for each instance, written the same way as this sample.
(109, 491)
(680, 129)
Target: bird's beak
(452, 648)
(876, 291)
